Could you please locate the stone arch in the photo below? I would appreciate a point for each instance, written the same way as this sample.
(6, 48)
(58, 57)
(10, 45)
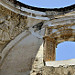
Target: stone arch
(11, 45)
(52, 38)
(23, 53)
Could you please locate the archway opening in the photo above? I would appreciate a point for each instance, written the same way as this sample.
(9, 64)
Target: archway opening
(65, 51)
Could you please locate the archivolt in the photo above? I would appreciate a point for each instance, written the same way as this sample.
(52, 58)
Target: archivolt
(63, 35)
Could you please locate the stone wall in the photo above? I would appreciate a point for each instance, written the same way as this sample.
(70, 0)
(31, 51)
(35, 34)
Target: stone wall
(18, 47)
(61, 70)
(21, 51)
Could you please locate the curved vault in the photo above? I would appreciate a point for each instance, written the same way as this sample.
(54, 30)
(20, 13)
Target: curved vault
(18, 45)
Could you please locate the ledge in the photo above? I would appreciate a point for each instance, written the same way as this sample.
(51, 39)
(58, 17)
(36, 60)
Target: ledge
(60, 63)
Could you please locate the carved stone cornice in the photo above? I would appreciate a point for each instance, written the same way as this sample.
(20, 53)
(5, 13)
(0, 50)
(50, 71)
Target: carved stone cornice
(34, 12)
(21, 9)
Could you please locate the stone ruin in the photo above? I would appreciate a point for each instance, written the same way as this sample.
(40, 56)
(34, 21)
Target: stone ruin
(29, 37)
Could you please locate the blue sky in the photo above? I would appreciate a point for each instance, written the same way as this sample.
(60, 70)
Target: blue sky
(65, 50)
(48, 3)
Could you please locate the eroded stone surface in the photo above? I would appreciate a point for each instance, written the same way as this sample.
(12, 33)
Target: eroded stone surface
(61, 70)
(25, 56)
(11, 24)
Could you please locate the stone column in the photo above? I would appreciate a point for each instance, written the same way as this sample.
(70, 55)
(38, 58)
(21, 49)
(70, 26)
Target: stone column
(49, 49)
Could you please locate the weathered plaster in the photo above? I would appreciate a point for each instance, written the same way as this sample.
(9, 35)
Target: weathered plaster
(21, 37)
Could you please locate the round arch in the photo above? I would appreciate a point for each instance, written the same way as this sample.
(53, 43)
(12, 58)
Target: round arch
(54, 36)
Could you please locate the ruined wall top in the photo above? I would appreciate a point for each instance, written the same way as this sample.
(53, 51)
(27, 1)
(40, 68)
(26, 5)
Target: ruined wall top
(35, 12)
(65, 9)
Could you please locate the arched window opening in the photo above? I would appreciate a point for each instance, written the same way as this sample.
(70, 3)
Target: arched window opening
(65, 51)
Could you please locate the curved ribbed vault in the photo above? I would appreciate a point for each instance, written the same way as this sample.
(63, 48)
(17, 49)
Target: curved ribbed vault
(22, 29)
